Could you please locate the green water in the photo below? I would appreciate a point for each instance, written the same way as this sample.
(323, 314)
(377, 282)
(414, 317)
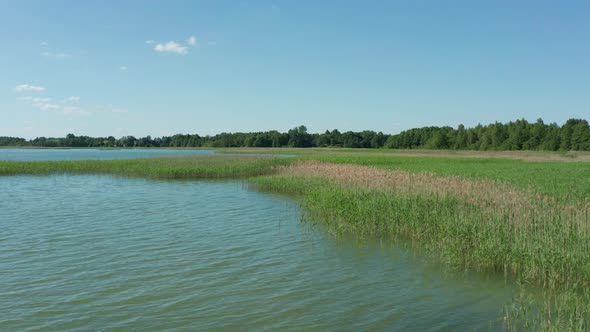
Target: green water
(101, 253)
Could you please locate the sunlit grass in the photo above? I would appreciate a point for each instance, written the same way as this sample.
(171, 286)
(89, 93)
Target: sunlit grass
(545, 172)
(201, 167)
(477, 224)
(562, 180)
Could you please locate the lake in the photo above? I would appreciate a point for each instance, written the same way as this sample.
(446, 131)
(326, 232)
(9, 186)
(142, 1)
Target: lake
(94, 154)
(96, 252)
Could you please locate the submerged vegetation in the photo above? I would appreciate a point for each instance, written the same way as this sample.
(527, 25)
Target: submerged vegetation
(526, 220)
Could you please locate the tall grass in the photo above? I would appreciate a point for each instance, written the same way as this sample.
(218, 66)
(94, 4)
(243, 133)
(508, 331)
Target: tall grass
(201, 167)
(476, 224)
(565, 181)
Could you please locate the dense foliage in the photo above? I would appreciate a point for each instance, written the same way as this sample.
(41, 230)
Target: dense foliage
(516, 135)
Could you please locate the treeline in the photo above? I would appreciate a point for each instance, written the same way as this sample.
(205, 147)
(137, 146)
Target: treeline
(515, 135)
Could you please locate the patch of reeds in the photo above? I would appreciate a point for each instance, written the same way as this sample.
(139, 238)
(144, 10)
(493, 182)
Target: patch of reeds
(478, 224)
(566, 182)
(199, 167)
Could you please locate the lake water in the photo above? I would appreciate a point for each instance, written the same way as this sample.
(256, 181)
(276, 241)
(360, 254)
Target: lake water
(103, 253)
(94, 154)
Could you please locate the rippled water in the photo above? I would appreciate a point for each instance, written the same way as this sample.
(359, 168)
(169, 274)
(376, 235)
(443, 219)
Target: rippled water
(93, 154)
(106, 253)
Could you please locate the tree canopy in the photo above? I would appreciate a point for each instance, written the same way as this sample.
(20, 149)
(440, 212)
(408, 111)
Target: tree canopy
(514, 135)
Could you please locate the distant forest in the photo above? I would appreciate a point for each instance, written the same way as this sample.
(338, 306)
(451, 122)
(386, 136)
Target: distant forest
(514, 135)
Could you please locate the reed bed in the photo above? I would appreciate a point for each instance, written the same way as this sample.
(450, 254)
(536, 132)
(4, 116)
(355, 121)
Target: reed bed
(478, 224)
(566, 182)
(541, 156)
(200, 167)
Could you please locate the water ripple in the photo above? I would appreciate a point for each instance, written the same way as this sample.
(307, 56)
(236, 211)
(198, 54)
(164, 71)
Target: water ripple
(105, 253)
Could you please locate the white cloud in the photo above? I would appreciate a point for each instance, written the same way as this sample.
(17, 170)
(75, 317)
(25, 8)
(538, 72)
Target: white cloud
(119, 110)
(150, 42)
(172, 47)
(72, 99)
(56, 55)
(123, 68)
(46, 106)
(67, 106)
(34, 99)
(192, 41)
(73, 110)
(27, 87)
(44, 43)
(70, 108)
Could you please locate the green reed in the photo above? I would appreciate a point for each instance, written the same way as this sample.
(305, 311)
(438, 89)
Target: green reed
(201, 167)
(543, 244)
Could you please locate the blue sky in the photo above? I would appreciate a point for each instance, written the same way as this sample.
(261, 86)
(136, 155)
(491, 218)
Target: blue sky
(131, 67)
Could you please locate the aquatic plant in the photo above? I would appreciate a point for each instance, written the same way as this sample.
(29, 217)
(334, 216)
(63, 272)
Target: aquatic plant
(478, 224)
(201, 167)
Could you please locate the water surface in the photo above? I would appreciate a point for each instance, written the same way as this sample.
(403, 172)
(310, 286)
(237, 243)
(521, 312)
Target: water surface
(88, 253)
(93, 154)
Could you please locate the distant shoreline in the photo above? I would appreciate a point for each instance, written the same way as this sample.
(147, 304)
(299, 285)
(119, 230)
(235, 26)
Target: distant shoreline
(527, 155)
(101, 148)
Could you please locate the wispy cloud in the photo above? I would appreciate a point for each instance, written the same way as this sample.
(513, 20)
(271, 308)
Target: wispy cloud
(27, 87)
(73, 110)
(171, 47)
(46, 106)
(72, 99)
(63, 110)
(65, 106)
(44, 43)
(40, 103)
(174, 47)
(56, 55)
(192, 41)
(119, 110)
(123, 68)
(34, 99)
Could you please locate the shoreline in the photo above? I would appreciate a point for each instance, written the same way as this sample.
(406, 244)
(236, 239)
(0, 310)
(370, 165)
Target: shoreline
(491, 222)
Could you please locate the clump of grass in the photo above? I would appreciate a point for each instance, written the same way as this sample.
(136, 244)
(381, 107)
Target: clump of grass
(199, 167)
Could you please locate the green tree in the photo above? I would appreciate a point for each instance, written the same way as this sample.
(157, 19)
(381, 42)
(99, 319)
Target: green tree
(298, 137)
